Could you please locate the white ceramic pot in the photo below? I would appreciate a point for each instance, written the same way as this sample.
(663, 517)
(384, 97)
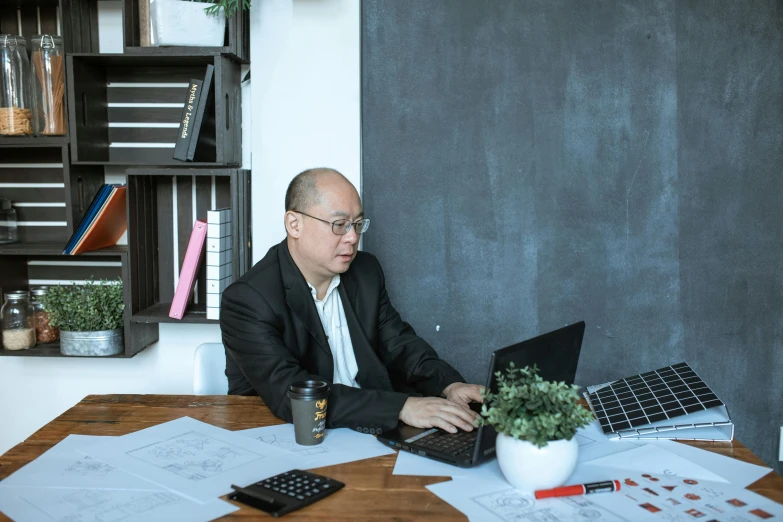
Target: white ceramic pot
(528, 467)
(177, 22)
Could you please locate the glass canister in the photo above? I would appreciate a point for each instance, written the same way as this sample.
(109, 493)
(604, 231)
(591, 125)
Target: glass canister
(18, 321)
(48, 85)
(15, 113)
(44, 332)
(8, 225)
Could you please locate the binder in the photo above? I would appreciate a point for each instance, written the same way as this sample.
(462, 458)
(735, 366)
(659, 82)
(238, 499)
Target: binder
(97, 202)
(189, 272)
(109, 225)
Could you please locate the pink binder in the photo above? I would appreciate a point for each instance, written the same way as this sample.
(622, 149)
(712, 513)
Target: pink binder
(190, 266)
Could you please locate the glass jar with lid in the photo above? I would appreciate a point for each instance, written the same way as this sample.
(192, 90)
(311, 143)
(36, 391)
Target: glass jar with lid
(15, 109)
(8, 225)
(44, 332)
(18, 321)
(48, 85)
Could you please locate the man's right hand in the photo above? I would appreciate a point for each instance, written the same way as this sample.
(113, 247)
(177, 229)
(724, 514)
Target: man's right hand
(433, 412)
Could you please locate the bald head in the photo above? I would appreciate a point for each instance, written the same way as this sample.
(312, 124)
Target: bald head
(304, 191)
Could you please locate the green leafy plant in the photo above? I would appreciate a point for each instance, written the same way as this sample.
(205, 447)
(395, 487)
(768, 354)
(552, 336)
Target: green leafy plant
(229, 7)
(89, 307)
(530, 408)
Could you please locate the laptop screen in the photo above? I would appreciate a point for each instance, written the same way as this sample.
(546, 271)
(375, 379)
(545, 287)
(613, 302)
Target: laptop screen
(555, 353)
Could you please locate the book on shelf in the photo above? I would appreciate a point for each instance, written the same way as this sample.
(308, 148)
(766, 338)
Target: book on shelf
(189, 271)
(185, 131)
(103, 224)
(202, 144)
(218, 258)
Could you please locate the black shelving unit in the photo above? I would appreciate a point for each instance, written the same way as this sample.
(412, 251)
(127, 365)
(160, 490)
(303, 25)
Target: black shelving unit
(64, 172)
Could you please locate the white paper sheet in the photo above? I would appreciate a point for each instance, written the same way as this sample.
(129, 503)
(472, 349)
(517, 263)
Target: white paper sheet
(63, 466)
(193, 458)
(339, 445)
(593, 443)
(487, 500)
(648, 459)
(651, 496)
(26, 504)
(735, 471)
(410, 464)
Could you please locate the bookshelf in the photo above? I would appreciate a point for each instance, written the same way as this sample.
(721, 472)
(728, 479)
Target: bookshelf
(164, 195)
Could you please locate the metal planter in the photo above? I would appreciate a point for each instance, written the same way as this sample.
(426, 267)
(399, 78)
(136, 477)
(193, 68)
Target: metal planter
(92, 344)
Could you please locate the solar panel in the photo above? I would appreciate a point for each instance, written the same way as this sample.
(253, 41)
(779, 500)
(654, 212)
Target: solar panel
(649, 400)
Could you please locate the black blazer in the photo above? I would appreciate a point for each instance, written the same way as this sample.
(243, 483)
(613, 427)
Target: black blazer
(273, 337)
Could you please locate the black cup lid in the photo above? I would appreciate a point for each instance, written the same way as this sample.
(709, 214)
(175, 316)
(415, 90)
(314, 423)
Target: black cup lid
(309, 387)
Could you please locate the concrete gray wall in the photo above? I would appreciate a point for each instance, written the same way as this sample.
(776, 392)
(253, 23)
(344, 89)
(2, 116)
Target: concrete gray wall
(528, 164)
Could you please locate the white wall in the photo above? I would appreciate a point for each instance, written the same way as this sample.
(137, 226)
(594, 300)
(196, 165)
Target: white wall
(305, 112)
(306, 86)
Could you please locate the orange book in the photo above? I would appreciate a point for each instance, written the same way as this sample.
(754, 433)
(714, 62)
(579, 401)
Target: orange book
(108, 226)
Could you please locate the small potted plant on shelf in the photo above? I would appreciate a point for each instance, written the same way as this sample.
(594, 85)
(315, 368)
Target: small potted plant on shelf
(536, 421)
(199, 23)
(89, 316)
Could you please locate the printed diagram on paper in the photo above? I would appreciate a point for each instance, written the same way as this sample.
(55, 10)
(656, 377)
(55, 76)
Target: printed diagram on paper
(512, 505)
(88, 467)
(85, 505)
(194, 456)
(289, 444)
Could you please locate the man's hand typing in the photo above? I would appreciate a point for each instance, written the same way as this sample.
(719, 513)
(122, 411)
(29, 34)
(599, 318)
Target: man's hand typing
(433, 412)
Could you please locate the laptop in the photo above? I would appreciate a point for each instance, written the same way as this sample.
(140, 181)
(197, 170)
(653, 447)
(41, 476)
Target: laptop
(555, 353)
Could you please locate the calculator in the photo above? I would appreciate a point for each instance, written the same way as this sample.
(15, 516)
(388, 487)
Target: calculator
(286, 492)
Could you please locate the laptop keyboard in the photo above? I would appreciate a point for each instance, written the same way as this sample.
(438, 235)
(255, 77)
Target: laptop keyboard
(455, 444)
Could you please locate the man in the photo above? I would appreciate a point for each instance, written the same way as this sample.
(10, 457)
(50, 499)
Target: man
(316, 308)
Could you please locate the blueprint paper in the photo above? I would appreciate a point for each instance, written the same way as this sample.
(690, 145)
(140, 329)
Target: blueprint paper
(651, 496)
(339, 445)
(63, 466)
(26, 504)
(487, 500)
(193, 458)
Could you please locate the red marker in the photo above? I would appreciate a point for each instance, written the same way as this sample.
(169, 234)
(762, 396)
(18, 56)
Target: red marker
(580, 489)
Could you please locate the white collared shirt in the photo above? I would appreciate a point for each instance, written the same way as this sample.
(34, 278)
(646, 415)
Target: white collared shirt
(332, 315)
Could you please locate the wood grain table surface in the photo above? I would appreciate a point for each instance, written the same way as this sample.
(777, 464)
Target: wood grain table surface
(371, 491)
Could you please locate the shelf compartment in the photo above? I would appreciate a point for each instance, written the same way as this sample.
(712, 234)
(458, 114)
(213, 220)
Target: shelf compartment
(236, 43)
(23, 266)
(159, 313)
(125, 109)
(160, 220)
(49, 195)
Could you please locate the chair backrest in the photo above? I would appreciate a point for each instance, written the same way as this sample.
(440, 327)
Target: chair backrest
(209, 370)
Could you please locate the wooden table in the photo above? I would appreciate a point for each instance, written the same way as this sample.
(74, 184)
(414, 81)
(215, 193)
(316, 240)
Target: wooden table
(371, 491)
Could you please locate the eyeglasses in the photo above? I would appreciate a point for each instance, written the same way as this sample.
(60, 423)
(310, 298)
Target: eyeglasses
(343, 226)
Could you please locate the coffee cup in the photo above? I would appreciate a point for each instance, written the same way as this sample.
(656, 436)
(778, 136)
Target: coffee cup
(308, 406)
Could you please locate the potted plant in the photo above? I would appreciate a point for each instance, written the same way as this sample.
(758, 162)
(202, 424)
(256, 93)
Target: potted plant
(200, 23)
(90, 317)
(536, 421)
